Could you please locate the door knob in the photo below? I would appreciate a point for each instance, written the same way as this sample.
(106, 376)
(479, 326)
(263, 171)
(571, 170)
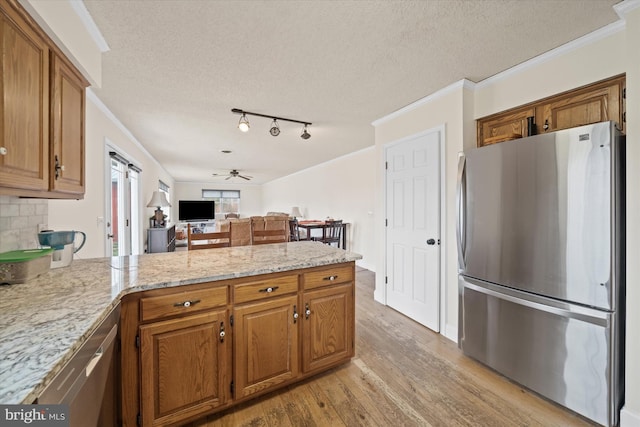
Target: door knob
(431, 242)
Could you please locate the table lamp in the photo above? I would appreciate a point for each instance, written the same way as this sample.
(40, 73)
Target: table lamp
(159, 200)
(295, 212)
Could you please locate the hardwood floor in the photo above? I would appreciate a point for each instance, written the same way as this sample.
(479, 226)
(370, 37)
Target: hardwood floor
(403, 374)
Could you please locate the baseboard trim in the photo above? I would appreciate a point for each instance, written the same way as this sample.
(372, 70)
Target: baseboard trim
(628, 418)
(451, 332)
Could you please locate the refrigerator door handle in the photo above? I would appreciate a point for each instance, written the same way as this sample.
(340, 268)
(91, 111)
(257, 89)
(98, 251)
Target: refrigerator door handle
(460, 211)
(570, 311)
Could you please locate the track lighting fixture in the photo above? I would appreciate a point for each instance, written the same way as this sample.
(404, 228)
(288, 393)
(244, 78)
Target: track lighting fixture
(275, 129)
(243, 125)
(305, 134)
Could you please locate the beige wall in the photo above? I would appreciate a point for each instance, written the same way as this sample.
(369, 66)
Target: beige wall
(444, 109)
(88, 214)
(631, 414)
(341, 189)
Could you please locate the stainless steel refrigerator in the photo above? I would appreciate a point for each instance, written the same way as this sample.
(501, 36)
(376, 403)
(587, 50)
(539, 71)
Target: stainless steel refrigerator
(541, 264)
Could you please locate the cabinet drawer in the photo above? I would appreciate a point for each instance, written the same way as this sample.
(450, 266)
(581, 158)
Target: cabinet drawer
(265, 288)
(182, 302)
(329, 276)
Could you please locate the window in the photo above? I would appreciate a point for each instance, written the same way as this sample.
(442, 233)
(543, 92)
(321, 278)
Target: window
(227, 201)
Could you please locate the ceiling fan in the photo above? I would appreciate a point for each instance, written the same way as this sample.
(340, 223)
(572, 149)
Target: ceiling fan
(233, 173)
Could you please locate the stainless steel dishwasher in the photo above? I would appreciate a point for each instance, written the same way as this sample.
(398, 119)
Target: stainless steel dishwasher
(88, 382)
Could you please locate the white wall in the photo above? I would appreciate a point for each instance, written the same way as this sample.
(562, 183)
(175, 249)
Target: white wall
(250, 195)
(341, 189)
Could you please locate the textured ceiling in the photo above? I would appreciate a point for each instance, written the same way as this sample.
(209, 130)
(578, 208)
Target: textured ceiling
(176, 68)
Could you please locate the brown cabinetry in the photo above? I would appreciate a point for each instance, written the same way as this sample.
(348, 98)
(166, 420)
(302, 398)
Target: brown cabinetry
(205, 347)
(597, 102)
(183, 367)
(42, 99)
(24, 148)
(67, 128)
(328, 327)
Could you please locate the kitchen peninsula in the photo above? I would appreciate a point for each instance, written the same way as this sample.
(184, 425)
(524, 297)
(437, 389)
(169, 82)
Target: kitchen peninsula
(257, 318)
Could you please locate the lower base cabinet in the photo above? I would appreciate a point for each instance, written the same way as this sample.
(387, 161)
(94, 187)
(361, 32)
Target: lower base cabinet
(203, 348)
(183, 367)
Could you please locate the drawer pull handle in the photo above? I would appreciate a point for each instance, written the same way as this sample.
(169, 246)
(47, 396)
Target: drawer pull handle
(186, 304)
(269, 289)
(330, 278)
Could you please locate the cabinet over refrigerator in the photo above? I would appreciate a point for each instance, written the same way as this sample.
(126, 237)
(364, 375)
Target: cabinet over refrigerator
(541, 264)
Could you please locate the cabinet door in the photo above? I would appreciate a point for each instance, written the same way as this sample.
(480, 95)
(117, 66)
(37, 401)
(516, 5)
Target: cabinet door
(24, 102)
(597, 103)
(328, 332)
(503, 127)
(67, 129)
(183, 367)
(265, 344)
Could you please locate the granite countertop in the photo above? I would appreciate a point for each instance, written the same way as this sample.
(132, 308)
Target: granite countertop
(43, 322)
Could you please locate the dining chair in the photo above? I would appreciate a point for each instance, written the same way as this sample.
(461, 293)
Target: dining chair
(240, 231)
(269, 229)
(332, 233)
(218, 239)
(294, 230)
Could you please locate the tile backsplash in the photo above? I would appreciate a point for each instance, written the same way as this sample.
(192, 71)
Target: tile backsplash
(19, 221)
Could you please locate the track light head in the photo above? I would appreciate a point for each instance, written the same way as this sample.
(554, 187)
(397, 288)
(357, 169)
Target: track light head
(243, 124)
(305, 134)
(275, 129)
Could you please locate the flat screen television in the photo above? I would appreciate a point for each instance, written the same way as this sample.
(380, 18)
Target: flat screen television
(196, 210)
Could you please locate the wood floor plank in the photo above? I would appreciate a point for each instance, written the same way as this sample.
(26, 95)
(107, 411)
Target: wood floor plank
(402, 374)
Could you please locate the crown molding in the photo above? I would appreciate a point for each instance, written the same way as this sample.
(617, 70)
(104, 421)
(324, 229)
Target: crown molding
(587, 39)
(91, 96)
(625, 7)
(461, 84)
(81, 10)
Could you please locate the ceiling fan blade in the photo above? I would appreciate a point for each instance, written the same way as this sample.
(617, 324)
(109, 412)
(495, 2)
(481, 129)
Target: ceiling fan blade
(245, 177)
(229, 177)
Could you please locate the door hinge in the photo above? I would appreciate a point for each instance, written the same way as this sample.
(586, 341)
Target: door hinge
(137, 341)
(386, 165)
(624, 117)
(231, 320)
(624, 93)
(139, 420)
(386, 222)
(386, 280)
(232, 387)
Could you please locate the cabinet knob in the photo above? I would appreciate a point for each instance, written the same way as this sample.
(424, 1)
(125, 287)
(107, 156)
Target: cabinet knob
(3, 151)
(330, 278)
(186, 304)
(222, 333)
(307, 311)
(269, 289)
(58, 167)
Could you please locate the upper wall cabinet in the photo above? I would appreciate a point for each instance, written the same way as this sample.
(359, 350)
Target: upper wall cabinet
(597, 102)
(42, 104)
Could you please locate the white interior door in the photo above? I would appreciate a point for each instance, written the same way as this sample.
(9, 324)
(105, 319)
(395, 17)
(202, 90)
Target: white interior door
(413, 228)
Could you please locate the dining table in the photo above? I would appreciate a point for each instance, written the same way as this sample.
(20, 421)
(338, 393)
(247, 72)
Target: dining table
(309, 225)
